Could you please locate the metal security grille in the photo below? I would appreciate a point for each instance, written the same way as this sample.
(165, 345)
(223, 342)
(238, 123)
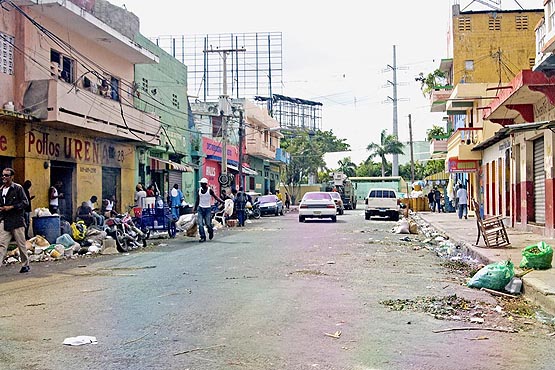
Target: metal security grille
(6, 53)
(176, 177)
(539, 182)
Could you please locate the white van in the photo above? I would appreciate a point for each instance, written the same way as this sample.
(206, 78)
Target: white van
(382, 202)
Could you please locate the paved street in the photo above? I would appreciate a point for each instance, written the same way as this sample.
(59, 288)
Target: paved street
(277, 294)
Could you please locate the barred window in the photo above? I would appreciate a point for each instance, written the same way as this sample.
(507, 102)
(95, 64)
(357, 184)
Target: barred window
(144, 85)
(494, 24)
(175, 102)
(521, 22)
(6, 56)
(532, 62)
(464, 24)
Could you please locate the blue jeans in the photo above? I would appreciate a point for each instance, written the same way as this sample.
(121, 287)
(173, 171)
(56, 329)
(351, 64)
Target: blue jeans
(204, 218)
(463, 210)
(241, 216)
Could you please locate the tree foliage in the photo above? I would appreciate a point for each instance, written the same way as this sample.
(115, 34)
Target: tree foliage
(431, 81)
(307, 151)
(388, 145)
(436, 132)
(347, 166)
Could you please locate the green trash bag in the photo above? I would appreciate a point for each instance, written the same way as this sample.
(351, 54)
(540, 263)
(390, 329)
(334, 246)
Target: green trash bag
(537, 256)
(493, 276)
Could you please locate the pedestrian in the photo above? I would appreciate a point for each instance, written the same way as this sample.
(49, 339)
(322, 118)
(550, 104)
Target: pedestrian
(287, 200)
(176, 197)
(12, 219)
(150, 191)
(437, 199)
(54, 195)
(240, 206)
(140, 195)
(108, 207)
(203, 207)
(462, 195)
(431, 197)
(26, 186)
(99, 219)
(279, 195)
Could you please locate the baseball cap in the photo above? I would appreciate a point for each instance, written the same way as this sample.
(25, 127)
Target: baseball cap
(204, 180)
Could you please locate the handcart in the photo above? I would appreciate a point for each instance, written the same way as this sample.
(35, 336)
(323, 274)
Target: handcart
(158, 220)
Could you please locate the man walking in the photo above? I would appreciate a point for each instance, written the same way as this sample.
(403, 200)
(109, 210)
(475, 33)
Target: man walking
(462, 195)
(12, 220)
(203, 207)
(240, 205)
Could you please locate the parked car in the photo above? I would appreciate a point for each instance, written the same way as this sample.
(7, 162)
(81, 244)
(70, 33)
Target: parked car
(338, 202)
(382, 202)
(270, 205)
(317, 204)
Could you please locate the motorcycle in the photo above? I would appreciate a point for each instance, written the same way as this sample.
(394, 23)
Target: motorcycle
(252, 210)
(123, 230)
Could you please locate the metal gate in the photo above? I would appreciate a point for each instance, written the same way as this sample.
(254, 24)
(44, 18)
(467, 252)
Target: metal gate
(111, 185)
(175, 177)
(539, 182)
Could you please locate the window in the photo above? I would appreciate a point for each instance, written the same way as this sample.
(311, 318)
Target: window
(532, 62)
(144, 85)
(216, 126)
(64, 64)
(521, 22)
(464, 24)
(6, 56)
(114, 91)
(494, 23)
(469, 65)
(175, 102)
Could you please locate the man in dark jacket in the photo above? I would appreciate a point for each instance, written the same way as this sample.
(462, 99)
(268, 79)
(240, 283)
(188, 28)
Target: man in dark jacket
(240, 203)
(12, 220)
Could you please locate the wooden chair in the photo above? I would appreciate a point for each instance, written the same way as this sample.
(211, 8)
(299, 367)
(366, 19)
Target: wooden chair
(491, 228)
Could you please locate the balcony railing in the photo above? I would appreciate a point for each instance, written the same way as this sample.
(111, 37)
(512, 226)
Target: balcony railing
(258, 149)
(461, 143)
(57, 101)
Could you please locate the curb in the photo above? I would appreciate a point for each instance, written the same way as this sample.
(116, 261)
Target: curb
(533, 289)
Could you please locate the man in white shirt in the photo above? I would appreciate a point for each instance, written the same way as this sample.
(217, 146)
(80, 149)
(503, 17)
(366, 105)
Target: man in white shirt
(462, 196)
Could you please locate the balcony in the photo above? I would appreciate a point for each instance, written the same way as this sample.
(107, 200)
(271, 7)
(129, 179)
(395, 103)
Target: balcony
(55, 101)
(282, 156)
(438, 148)
(439, 97)
(461, 143)
(257, 148)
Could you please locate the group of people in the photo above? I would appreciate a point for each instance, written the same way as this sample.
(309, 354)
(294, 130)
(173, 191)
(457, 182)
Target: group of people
(435, 199)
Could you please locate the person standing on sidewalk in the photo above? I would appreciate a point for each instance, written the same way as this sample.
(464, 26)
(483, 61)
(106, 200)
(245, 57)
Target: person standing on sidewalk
(12, 219)
(462, 196)
(240, 205)
(437, 199)
(431, 199)
(203, 207)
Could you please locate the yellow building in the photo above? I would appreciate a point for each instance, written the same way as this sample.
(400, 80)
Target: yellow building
(493, 46)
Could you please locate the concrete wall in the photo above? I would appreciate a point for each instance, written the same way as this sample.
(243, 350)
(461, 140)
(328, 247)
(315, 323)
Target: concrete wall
(480, 44)
(118, 18)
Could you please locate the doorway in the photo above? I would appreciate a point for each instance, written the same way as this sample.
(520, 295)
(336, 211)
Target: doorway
(111, 185)
(64, 172)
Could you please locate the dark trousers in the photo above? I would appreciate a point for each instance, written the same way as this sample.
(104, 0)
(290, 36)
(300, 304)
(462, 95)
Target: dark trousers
(241, 216)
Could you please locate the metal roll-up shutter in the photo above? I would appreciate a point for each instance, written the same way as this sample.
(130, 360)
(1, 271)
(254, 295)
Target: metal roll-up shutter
(175, 177)
(539, 182)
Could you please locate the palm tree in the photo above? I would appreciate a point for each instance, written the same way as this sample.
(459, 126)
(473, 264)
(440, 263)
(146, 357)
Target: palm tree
(388, 145)
(347, 166)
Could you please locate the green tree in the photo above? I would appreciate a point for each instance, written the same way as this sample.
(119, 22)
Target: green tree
(347, 166)
(430, 82)
(307, 151)
(419, 171)
(436, 132)
(434, 166)
(388, 145)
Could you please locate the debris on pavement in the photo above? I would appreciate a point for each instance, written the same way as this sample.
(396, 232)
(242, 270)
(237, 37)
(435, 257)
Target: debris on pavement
(537, 256)
(494, 276)
(80, 340)
(335, 335)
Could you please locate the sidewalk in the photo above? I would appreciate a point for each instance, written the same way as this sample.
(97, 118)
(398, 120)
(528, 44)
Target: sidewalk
(538, 285)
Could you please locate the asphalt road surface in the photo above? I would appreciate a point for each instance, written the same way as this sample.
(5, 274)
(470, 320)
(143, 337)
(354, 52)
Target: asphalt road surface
(277, 294)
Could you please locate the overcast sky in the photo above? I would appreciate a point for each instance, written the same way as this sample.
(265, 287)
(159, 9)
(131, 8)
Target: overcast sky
(335, 52)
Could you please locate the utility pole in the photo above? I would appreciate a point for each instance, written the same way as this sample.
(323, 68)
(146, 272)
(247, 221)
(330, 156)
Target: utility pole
(395, 168)
(241, 138)
(411, 151)
(224, 103)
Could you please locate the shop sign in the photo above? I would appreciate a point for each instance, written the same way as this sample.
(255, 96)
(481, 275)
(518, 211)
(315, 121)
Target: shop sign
(7, 140)
(80, 150)
(456, 165)
(214, 148)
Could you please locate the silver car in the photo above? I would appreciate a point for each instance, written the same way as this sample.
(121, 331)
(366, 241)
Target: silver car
(317, 204)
